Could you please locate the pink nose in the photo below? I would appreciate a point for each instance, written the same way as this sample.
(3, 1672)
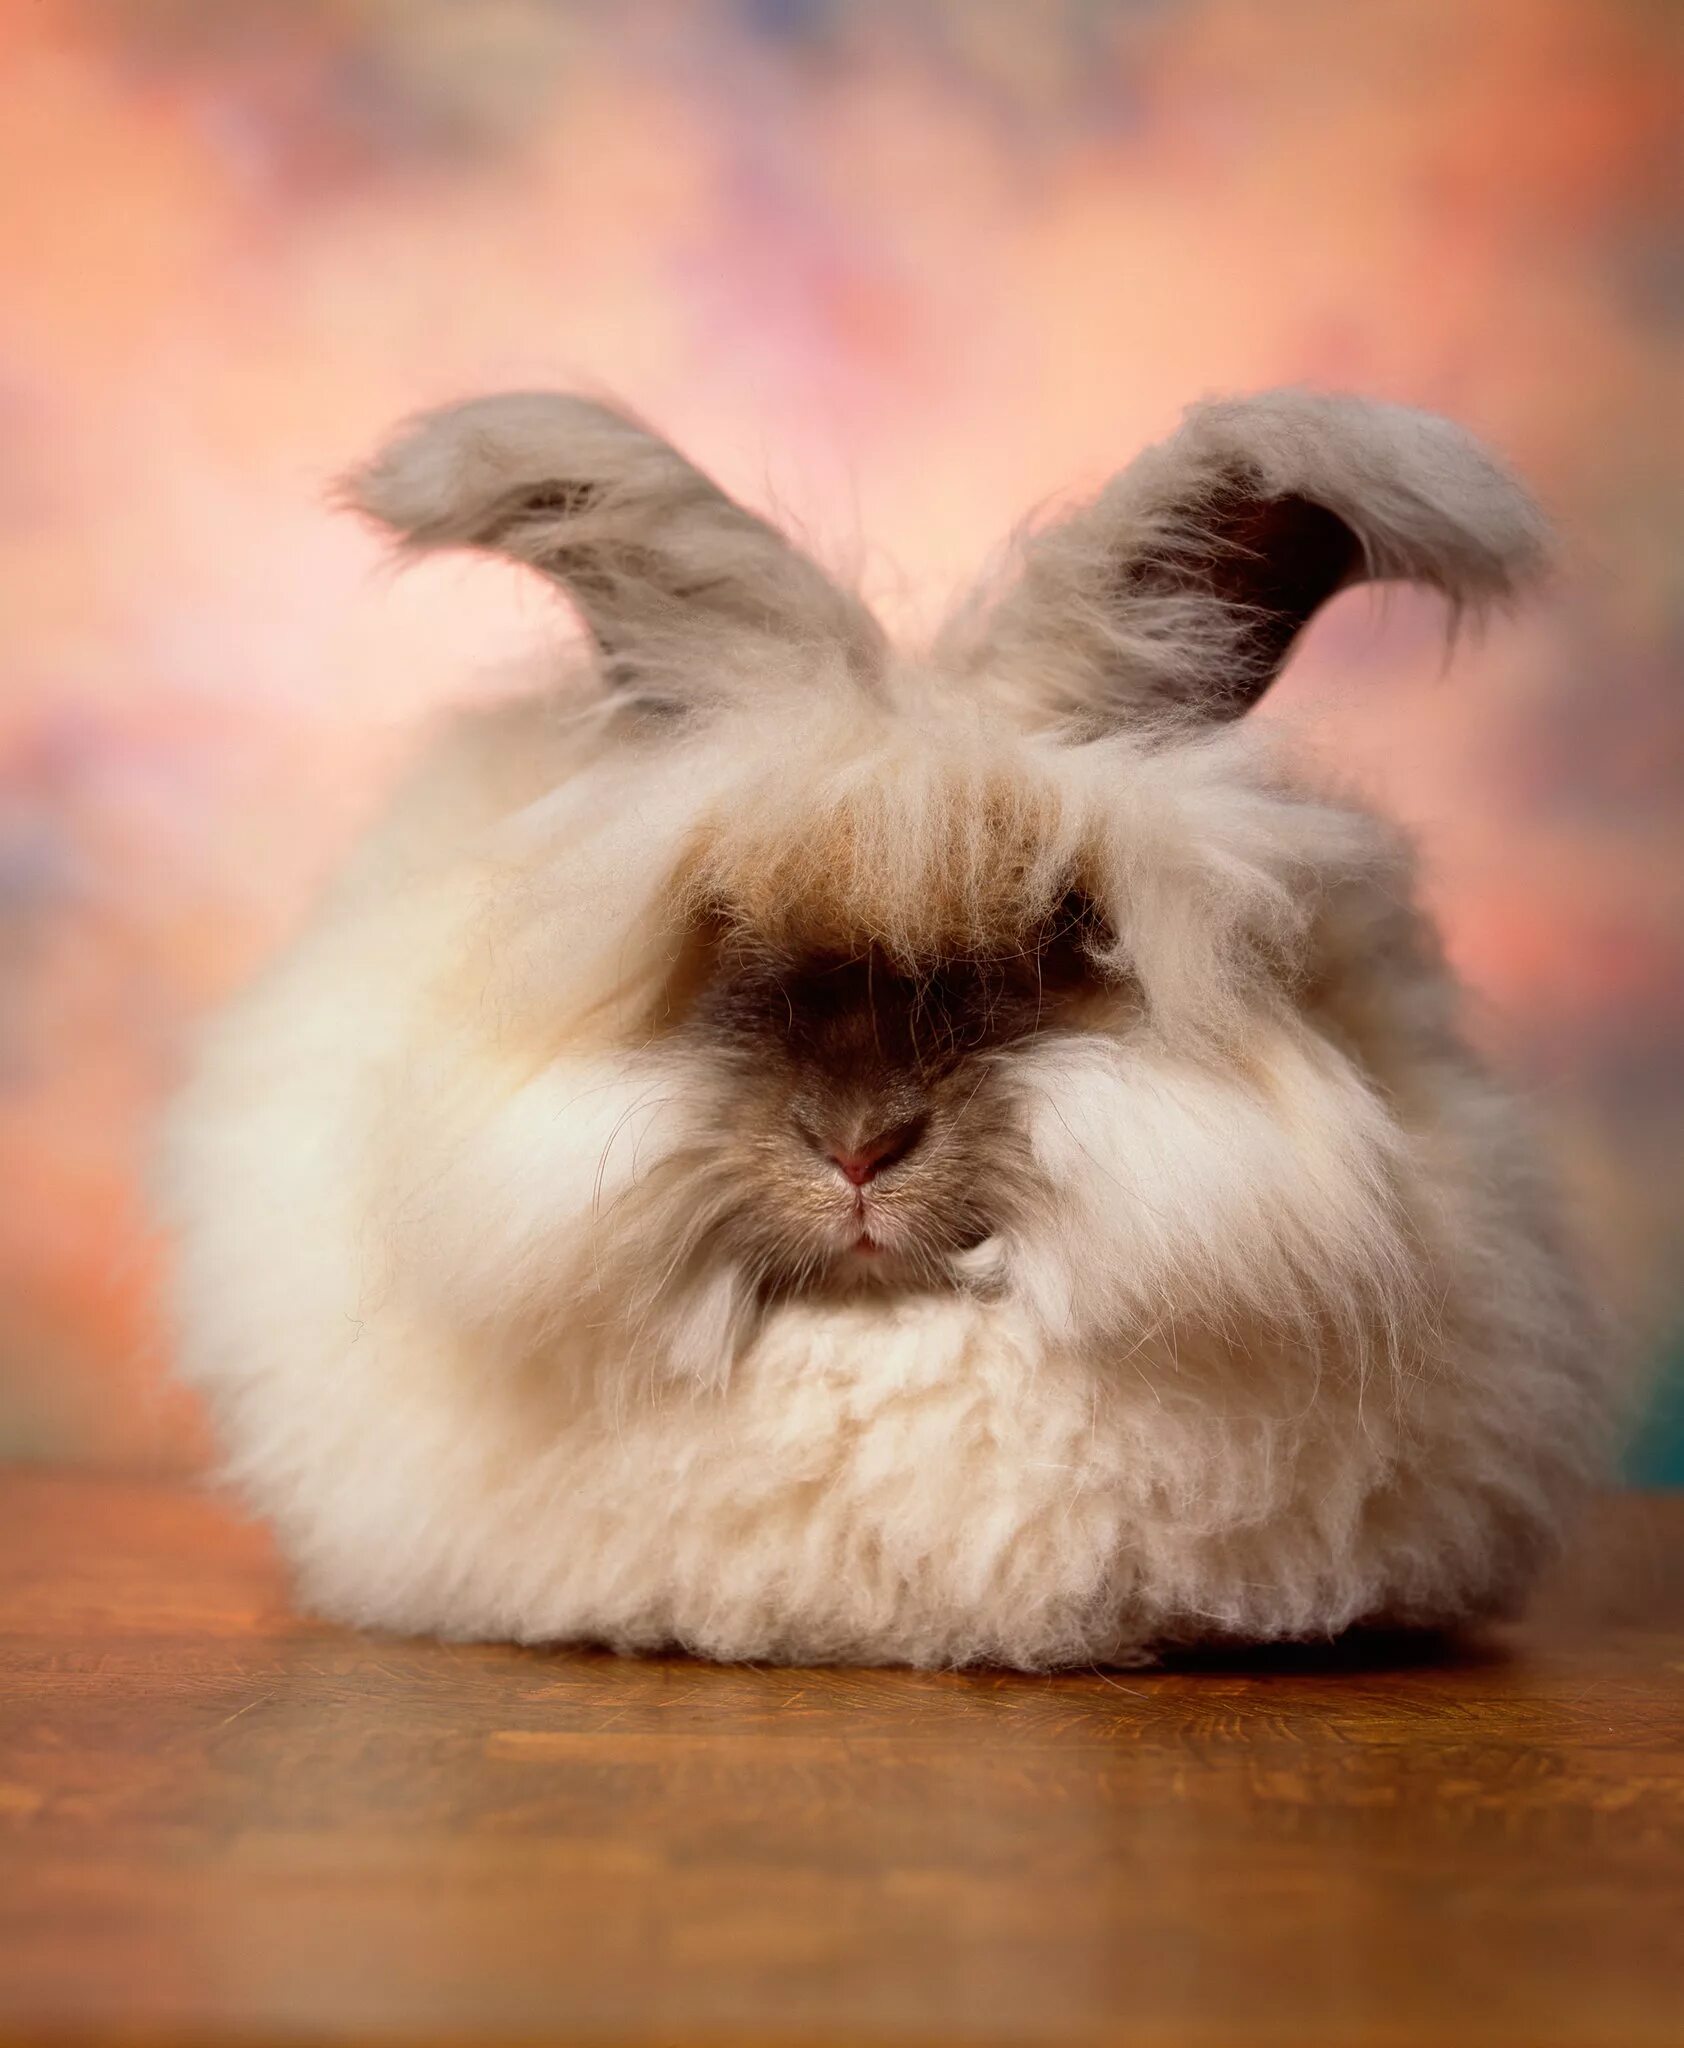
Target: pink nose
(860, 1163)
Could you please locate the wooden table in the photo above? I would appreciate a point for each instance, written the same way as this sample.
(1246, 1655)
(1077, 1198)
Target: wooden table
(222, 1823)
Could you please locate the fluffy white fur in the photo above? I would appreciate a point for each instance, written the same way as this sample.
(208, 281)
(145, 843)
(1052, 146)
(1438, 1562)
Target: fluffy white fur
(1281, 1338)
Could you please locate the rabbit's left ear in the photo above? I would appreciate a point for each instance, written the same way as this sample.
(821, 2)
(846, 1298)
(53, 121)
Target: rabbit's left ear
(1181, 588)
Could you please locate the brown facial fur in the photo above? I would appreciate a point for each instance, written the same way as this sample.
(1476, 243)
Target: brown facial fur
(838, 1055)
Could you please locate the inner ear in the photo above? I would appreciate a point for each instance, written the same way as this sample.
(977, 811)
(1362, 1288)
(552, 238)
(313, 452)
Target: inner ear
(1270, 562)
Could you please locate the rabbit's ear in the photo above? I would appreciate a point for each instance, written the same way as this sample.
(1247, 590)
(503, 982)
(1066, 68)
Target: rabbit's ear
(1183, 586)
(653, 554)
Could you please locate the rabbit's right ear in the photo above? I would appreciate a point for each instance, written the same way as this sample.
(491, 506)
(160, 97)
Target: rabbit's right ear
(656, 558)
(1181, 589)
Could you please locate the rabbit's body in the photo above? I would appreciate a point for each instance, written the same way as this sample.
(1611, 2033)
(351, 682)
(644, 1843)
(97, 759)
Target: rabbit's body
(873, 1169)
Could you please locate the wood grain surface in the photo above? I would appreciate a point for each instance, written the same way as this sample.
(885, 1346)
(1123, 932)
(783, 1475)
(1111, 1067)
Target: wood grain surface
(221, 1823)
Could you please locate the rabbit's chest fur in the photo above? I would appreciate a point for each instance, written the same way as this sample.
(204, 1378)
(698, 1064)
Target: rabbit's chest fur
(914, 1482)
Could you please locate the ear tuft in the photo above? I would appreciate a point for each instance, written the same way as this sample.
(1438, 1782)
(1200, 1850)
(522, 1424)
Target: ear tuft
(1424, 500)
(460, 476)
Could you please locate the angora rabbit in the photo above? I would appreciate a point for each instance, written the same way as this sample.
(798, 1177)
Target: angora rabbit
(799, 1151)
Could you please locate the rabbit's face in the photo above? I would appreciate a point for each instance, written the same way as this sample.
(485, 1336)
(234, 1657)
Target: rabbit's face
(864, 1105)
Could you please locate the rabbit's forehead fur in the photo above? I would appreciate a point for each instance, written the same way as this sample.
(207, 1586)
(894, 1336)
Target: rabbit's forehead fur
(824, 827)
(902, 827)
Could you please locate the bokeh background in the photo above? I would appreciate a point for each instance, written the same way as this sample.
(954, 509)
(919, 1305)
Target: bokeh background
(899, 268)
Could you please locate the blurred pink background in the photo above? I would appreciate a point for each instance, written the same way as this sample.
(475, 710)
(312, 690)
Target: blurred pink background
(898, 268)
